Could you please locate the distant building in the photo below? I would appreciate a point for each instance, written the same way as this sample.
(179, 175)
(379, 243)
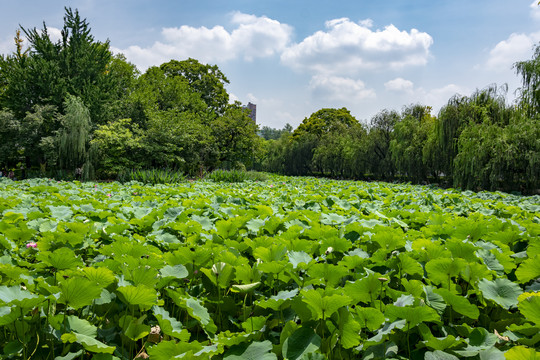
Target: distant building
(253, 111)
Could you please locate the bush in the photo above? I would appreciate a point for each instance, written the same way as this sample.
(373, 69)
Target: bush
(152, 176)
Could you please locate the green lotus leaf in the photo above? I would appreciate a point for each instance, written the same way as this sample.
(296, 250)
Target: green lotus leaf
(254, 351)
(167, 350)
(439, 355)
(200, 313)
(176, 272)
(61, 213)
(365, 290)
(142, 296)
(349, 329)
(332, 219)
(529, 307)
(254, 323)
(441, 270)
(14, 295)
(169, 325)
(409, 266)
(529, 269)
(522, 353)
(328, 274)
(101, 276)
(386, 350)
(414, 315)
(369, 318)
(81, 326)
(71, 355)
(301, 342)
(89, 343)
(459, 303)
(254, 225)
(61, 259)
(8, 315)
(245, 288)
(490, 260)
(299, 257)
(502, 291)
(134, 328)
(78, 292)
(324, 306)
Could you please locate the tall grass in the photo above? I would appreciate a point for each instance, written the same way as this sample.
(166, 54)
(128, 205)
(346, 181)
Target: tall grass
(152, 176)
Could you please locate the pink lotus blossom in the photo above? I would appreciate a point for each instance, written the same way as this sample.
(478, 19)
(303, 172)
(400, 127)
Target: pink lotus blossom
(109, 195)
(31, 244)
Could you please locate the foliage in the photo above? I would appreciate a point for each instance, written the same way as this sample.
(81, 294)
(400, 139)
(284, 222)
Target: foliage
(152, 176)
(293, 268)
(74, 136)
(207, 80)
(530, 79)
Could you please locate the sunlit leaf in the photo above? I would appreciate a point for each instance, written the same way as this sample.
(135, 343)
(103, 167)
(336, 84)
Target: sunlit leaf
(502, 291)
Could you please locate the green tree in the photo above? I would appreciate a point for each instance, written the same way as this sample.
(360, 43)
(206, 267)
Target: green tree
(48, 71)
(483, 106)
(235, 134)
(530, 79)
(118, 146)
(207, 80)
(74, 137)
(378, 143)
(408, 141)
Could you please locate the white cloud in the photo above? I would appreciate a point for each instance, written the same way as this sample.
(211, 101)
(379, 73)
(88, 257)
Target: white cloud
(348, 47)
(516, 48)
(54, 34)
(535, 10)
(399, 85)
(341, 89)
(252, 37)
(438, 97)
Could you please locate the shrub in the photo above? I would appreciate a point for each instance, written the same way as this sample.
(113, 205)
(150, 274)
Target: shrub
(152, 176)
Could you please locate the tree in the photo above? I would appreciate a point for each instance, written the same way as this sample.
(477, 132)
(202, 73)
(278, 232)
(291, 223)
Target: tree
(236, 136)
(530, 79)
(378, 145)
(47, 72)
(207, 80)
(483, 106)
(408, 140)
(73, 138)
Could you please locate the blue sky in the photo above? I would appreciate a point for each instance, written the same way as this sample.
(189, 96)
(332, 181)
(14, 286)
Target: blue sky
(294, 57)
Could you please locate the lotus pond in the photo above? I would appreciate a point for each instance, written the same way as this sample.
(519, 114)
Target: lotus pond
(290, 268)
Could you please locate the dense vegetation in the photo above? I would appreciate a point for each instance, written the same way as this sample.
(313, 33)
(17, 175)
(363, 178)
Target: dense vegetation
(72, 108)
(476, 142)
(292, 268)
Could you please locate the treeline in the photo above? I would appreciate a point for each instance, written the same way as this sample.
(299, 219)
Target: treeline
(72, 109)
(476, 142)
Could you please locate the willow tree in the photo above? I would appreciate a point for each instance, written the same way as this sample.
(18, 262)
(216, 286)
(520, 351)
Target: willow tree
(530, 91)
(485, 106)
(73, 138)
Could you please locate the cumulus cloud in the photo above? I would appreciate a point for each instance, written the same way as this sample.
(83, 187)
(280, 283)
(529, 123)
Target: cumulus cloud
(341, 89)
(252, 37)
(516, 48)
(535, 10)
(438, 97)
(347, 47)
(399, 85)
